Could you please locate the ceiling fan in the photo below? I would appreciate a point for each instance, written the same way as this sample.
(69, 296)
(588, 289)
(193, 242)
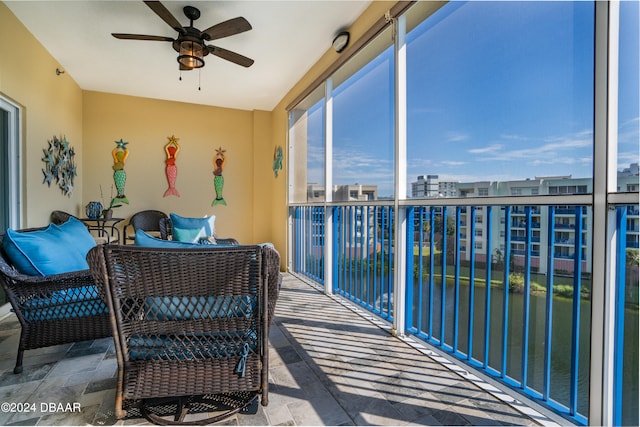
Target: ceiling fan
(190, 42)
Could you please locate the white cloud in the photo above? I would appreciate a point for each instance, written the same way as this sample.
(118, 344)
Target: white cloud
(552, 150)
(456, 136)
(494, 148)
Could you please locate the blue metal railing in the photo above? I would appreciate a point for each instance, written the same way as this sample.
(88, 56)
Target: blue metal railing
(308, 237)
(363, 256)
(476, 288)
(493, 320)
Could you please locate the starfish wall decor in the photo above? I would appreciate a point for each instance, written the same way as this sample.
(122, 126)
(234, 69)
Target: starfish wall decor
(59, 164)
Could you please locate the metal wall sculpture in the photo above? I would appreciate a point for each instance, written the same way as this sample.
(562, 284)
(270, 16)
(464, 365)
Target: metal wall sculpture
(59, 164)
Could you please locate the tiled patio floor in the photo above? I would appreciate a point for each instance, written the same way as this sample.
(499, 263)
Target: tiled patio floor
(328, 366)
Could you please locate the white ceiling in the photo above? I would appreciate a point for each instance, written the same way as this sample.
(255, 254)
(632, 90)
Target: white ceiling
(287, 38)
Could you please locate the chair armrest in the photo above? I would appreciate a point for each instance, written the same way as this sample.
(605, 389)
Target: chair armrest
(125, 234)
(271, 261)
(226, 241)
(26, 292)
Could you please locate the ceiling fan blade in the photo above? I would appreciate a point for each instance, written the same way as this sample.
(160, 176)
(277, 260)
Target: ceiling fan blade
(166, 16)
(141, 37)
(227, 28)
(236, 58)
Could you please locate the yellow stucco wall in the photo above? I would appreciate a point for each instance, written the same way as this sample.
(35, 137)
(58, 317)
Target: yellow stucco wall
(146, 124)
(51, 105)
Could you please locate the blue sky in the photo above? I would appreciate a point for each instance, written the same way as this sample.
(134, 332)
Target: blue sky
(496, 91)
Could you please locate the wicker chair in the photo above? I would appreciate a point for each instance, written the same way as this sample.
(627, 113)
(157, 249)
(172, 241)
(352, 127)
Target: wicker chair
(190, 327)
(148, 220)
(56, 309)
(165, 233)
(60, 217)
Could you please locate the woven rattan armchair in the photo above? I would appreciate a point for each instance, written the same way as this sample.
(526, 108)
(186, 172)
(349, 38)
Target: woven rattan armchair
(148, 221)
(165, 233)
(55, 309)
(190, 327)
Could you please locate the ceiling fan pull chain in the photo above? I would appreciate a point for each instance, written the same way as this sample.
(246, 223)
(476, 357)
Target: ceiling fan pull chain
(198, 78)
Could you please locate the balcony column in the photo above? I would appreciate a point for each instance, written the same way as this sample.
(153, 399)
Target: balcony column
(604, 220)
(400, 241)
(328, 188)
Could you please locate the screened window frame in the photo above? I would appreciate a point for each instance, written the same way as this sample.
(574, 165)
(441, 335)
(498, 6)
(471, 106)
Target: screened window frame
(603, 198)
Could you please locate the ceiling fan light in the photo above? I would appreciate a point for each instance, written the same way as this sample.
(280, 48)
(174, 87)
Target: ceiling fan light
(191, 54)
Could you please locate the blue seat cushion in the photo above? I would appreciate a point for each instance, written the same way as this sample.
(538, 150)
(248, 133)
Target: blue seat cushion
(71, 303)
(192, 346)
(53, 250)
(185, 229)
(198, 307)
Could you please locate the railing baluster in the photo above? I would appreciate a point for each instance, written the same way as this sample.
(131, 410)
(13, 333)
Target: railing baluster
(309, 241)
(527, 299)
(410, 276)
(319, 234)
(313, 226)
(443, 290)
(345, 244)
(487, 300)
(618, 362)
(456, 280)
(352, 231)
(355, 253)
(548, 330)
(471, 218)
(375, 257)
(383, 230)
(421, 216)
(432, 263)
(505, 291)
(575, 330)
(370, 253)
(362, 251)
(337, 239)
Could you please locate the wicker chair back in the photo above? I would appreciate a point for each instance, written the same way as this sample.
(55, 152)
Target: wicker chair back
(189, 322)
(148, 220)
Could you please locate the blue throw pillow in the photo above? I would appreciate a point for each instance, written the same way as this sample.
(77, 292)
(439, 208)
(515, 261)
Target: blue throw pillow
(192, 229)
(75, 233)
(143, 239)
(53, 250)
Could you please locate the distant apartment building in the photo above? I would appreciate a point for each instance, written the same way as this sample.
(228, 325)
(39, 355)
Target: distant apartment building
(428, 186)
(473, 228)
(343, 193)
(354, 193)
(315, 192)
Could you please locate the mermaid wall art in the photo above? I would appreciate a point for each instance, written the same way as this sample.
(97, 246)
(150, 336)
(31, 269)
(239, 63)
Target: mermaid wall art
(120, 154)
(219, 161)
(171, 170)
